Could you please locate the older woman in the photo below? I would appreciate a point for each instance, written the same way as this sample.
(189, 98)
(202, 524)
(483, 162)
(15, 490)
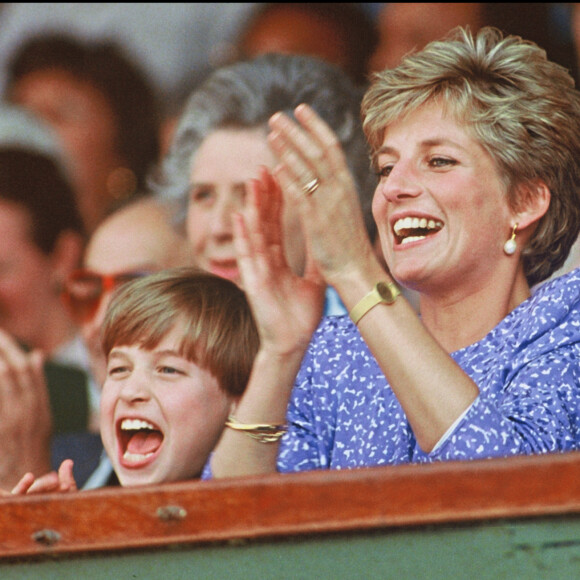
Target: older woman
(476, 143)
(221, 142)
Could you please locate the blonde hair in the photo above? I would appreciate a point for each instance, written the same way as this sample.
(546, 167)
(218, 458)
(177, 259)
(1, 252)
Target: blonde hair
(522, 108)
(219, 331)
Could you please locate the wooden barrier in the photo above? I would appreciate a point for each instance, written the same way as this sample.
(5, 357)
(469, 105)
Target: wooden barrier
(195, 514)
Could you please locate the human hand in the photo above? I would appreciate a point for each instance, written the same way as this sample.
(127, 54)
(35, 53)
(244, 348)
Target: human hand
(25, 416)
(331, 215)
(287, 307)
(62, 482)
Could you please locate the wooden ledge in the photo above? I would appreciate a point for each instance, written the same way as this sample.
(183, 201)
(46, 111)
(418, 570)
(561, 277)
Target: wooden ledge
(282, 505)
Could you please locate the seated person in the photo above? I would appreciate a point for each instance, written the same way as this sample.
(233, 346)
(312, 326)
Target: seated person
(103, 109)
(476, 144)
(180, 346)
(340, 32)
(42, 242)
(135, 240)
(221, 142)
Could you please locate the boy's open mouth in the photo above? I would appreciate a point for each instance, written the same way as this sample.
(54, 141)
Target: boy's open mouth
(139, 440)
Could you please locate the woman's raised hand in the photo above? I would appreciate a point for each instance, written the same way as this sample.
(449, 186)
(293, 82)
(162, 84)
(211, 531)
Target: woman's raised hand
(287, 307)
(314, 173)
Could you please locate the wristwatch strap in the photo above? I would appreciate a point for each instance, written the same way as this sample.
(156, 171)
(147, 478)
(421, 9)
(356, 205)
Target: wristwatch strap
(382, 293)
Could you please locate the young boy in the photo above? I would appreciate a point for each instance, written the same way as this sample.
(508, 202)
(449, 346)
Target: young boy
(180, 346)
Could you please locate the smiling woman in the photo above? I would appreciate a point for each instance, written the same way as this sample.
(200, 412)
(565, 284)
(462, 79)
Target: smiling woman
(476, 141)
(424, 178)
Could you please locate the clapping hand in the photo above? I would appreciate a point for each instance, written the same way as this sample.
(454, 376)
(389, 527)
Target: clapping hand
(25, 415)
(314, 174)
(287, 307)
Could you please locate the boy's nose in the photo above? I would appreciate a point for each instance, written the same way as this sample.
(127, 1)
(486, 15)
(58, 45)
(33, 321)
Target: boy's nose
(135, 388)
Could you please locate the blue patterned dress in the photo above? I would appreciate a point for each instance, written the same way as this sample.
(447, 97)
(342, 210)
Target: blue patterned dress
(343, 414)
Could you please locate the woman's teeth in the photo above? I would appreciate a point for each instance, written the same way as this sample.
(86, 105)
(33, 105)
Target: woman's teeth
(410, 229)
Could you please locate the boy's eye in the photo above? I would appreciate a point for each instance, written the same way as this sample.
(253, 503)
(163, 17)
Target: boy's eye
(169, 370)
(117, 369)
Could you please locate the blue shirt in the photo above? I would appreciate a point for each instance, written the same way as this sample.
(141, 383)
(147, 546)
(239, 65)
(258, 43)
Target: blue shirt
(333, 305)
(343, 414)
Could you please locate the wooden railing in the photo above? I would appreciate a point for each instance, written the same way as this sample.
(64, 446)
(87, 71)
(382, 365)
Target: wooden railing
(198, 513)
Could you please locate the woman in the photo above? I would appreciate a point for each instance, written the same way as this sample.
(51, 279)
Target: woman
(476, 143)
(221, 141)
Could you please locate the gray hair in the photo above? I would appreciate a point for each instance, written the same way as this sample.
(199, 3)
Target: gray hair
(522, 108)
(246, 94)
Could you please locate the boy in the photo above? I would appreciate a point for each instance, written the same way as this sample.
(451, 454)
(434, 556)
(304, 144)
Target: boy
(180, 346)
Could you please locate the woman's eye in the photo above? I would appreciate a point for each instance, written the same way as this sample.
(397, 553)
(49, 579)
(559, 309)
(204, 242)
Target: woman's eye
(384, 171)
(441, 162)
(201, 194)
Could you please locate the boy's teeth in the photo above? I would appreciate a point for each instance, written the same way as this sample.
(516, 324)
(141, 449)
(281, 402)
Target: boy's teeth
(135, 425)
(135, 457)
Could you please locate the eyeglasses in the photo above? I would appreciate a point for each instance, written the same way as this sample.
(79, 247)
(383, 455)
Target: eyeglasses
(84, 290)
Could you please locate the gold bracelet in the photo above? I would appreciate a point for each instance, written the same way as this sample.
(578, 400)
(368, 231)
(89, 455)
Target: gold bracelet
(382, 293)
(264, 433)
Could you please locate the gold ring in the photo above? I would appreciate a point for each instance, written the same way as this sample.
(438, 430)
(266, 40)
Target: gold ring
(311, 186)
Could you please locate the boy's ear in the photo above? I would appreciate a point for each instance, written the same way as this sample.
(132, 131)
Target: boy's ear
(535, 202)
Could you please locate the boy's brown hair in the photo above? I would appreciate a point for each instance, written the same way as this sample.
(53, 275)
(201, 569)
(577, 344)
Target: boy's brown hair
(219, 330)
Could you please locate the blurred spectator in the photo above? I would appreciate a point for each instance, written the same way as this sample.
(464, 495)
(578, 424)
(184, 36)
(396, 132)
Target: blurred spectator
(175, 44)
(573, 14)
(171, 41)
(134, 241)
(221, 143)
(101, 106)
(341, 33)
(574, 21)
(408, 26)
(42, 241)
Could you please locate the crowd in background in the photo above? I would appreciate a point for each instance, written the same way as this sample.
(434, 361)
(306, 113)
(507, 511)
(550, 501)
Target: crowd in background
(97, 113)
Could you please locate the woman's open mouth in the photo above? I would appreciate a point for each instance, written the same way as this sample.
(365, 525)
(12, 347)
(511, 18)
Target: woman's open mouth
(139, 442)
(412, 229)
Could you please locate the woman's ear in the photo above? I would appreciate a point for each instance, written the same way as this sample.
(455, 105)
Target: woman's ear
(535, 201)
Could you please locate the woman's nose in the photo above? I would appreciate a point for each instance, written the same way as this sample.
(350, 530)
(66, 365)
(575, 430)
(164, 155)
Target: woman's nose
(401, 183)
(221, 218)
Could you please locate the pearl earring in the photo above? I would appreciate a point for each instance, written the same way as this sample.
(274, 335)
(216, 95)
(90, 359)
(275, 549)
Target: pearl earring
(510, 246)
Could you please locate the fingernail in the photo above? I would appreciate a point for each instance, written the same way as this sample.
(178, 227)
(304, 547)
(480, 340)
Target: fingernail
(276, 117)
